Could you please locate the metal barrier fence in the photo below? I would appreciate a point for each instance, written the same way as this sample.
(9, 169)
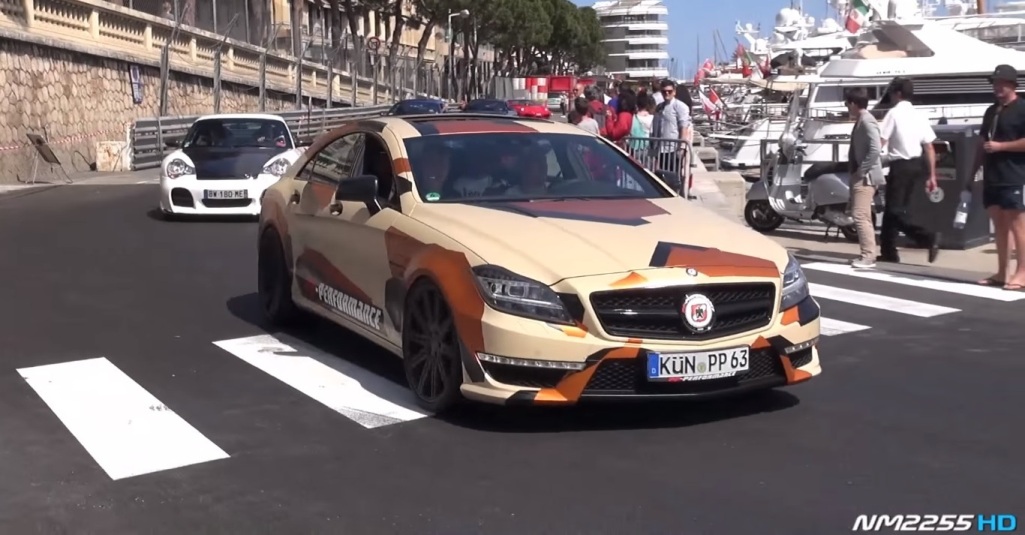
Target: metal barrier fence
(149, 137)
(662, 154)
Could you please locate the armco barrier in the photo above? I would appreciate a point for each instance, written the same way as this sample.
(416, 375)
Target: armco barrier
(150, 136)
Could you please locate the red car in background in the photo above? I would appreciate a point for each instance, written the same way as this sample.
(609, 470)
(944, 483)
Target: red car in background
(530, 108)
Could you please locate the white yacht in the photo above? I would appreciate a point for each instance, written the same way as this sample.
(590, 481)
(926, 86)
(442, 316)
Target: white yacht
(949, 70)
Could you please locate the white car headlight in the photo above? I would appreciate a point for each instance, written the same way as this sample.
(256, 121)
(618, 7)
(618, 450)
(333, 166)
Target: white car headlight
(795, 285)
(276, 167)
(507, 292)
(179, 167)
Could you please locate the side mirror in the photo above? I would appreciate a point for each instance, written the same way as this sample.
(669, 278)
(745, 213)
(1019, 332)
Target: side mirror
(362, 188)
(172, 143)
(671, 179)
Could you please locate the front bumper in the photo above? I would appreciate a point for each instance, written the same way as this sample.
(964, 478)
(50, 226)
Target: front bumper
(782, 352)
(187, 196)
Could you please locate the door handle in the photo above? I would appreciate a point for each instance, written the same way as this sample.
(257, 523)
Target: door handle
(294, 199)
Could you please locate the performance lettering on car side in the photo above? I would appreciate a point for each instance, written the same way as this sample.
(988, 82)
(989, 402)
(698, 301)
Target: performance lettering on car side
(349, 306)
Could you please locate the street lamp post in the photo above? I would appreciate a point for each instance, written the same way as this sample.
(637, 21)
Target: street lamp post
(451, 49)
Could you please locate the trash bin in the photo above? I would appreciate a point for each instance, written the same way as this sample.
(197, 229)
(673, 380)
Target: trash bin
(955, 157)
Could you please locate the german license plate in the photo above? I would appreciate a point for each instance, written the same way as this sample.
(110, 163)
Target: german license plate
(697, 366)
(225, 194)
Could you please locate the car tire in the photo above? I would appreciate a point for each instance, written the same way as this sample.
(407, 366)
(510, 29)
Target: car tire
(274, 281)
(431, 349)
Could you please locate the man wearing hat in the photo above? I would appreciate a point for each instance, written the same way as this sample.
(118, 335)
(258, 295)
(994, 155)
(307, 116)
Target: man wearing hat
(1002, 157)
(907, 140)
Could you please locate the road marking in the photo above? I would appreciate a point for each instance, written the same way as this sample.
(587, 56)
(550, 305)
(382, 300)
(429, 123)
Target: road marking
(126, 430)
(832, 327)
(362, 396)
(902, 306)
(972, 290)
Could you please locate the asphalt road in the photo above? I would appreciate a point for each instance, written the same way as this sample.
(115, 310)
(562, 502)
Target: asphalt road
(919, 411)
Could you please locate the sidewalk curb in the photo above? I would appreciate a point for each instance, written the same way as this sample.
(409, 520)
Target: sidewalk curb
(26, 190)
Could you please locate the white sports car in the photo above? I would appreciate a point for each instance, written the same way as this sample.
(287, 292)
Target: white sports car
(224, 164)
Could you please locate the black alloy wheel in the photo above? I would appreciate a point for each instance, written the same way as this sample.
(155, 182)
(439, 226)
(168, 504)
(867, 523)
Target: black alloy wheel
(274, 282)
(431, 349)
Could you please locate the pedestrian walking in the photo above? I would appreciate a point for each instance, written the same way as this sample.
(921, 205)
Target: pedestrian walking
(640, 128)
(580, 117)
(618, 124)
(1002, 157)
(907, 139)
(866, 172)
(671, 128)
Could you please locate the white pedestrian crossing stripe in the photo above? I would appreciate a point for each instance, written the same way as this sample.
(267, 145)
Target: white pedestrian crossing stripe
(129, 432)
(881, 302)
(126, 429)
(971, 290)
(360, 395)
(832, 327)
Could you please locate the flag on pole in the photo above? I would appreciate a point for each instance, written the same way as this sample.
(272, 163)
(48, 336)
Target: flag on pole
(857, 15)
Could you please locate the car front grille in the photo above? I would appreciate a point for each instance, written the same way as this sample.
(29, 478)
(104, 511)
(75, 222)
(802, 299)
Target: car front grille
(227, 203)
(626, 376)
(655, 313)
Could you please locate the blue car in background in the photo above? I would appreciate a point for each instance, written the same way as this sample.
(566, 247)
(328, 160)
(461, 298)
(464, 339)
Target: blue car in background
(489, 106)
(417, 106)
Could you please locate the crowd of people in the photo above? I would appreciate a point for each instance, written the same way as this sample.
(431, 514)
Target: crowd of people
(653, 122)
(903, 141)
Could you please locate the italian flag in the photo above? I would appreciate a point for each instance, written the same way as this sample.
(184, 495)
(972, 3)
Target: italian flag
(857, 16)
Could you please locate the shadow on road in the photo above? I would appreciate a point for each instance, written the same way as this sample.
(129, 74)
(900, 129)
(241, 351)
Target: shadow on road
(617, 416)
(156, 215)
(632, 414)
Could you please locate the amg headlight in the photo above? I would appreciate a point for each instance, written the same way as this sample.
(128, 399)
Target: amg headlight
(795, 285)
(179, 167)
(276, 167)
(508, 292)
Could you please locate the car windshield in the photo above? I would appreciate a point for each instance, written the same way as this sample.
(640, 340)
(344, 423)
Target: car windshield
(520, 102)
(416, 107)
(487, 105)
(485, 167)
(238, 133)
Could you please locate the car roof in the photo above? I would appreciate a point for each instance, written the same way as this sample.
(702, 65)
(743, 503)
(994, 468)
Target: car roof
(265, 116)
(410, 126)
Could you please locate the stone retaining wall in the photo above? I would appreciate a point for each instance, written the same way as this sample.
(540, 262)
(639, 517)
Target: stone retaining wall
(75, 99)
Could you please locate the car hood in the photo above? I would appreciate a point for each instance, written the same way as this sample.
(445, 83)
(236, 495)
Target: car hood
(554, 240)
(229, 162)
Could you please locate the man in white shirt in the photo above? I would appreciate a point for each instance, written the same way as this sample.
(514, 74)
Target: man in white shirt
(906, 136)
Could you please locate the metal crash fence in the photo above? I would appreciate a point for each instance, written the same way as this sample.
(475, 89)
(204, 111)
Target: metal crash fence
(663, 155)
(150, 136)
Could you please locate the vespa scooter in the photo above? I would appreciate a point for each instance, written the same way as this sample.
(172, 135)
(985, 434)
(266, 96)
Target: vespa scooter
(820, 193)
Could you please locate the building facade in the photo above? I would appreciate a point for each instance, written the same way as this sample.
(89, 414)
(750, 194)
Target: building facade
(636, 38)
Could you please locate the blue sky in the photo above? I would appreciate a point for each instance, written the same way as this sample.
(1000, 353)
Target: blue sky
(692, 23)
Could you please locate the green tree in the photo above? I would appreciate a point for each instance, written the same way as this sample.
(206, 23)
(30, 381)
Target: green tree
(589, 51)
(430, 14)
(564, 38)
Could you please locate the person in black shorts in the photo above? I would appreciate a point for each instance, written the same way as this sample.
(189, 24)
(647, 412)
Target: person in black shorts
(1002, 157)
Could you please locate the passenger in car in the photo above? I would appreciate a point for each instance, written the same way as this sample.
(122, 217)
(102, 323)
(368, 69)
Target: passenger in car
(534, 178)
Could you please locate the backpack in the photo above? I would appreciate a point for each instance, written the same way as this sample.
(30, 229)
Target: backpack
(638, 135)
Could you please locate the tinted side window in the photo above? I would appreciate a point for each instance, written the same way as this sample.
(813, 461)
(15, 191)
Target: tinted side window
(335, 161)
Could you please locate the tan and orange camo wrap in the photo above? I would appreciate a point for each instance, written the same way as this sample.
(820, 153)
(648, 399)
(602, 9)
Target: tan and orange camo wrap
(576, 247)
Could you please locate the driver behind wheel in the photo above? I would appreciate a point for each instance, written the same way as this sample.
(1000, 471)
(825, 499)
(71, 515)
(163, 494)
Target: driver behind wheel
(533, 178)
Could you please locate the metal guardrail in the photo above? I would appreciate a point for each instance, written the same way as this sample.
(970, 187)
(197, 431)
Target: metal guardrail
(664, 154)
(149, 136)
